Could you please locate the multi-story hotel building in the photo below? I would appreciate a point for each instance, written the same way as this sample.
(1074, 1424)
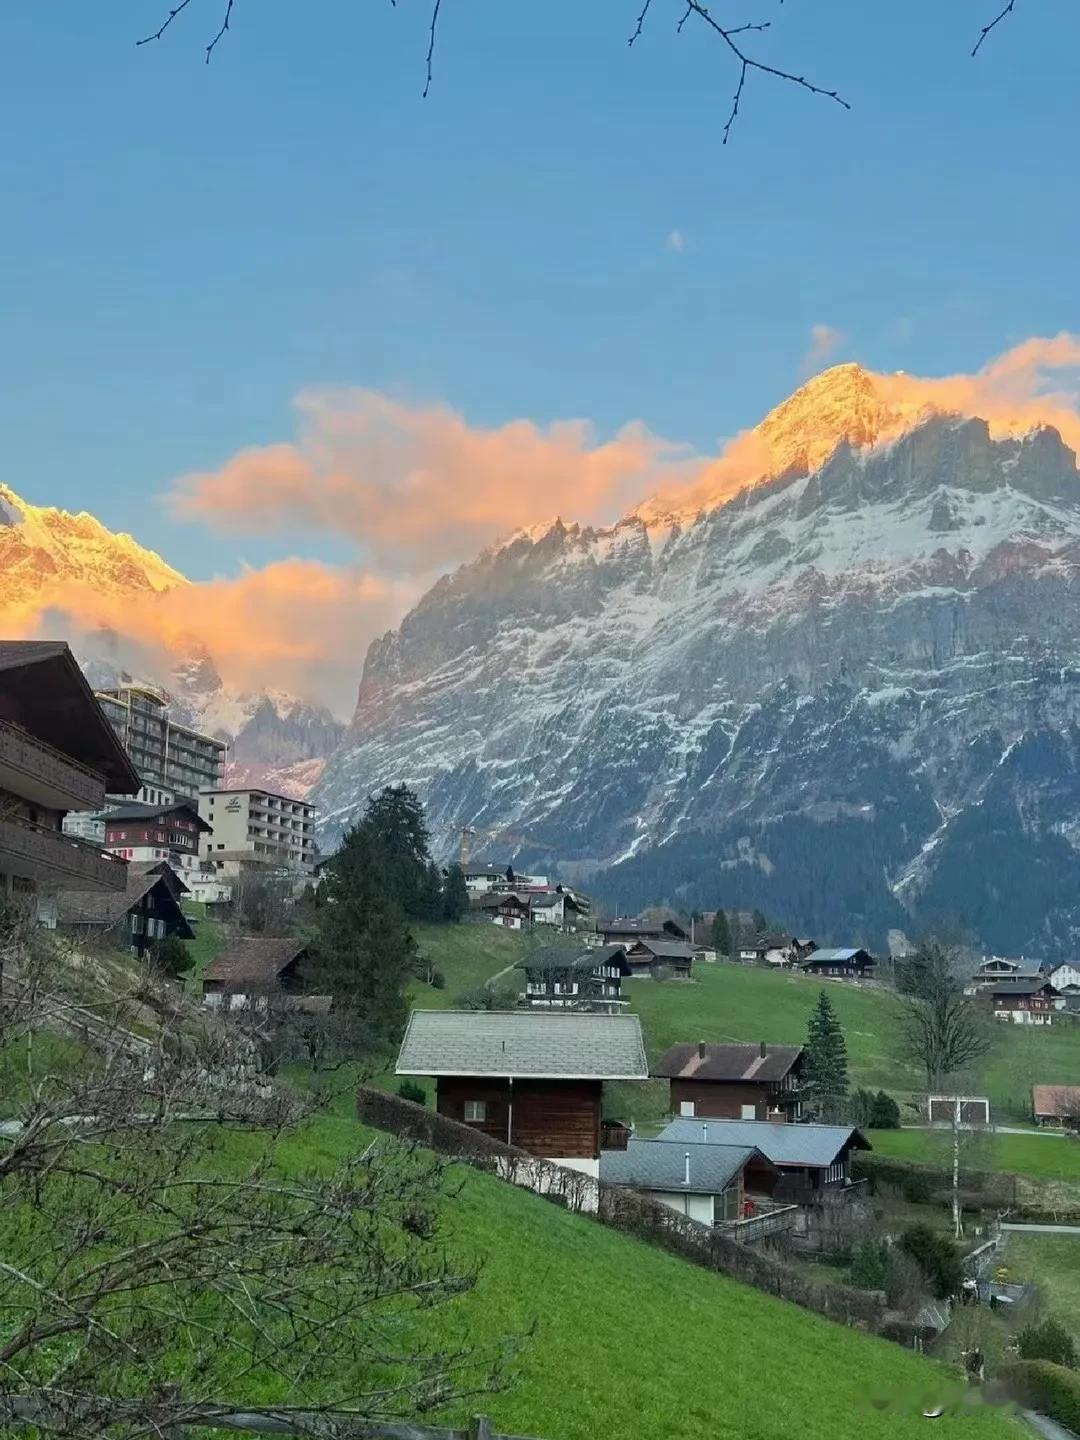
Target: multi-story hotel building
(173, 760)
(257, 827)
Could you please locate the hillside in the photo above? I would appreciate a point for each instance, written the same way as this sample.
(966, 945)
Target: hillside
(741, 1002)
(719, 1359)
(837, 681)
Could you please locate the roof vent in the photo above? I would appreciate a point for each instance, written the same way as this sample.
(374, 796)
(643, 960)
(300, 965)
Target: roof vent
(704, 1134)
(701, 1049)
(764, 1049)
(686, 1174)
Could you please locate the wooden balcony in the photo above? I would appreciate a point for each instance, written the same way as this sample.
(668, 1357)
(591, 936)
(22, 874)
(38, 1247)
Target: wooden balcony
(57, 861)
(36, 772)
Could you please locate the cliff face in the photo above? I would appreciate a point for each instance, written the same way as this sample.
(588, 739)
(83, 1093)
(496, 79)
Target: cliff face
(845, 691)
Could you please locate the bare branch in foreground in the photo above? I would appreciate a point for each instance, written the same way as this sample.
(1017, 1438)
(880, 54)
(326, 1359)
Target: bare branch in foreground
(986, 29)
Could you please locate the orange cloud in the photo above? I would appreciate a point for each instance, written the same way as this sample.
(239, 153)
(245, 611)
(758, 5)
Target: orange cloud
(295, 625)
(419, 487)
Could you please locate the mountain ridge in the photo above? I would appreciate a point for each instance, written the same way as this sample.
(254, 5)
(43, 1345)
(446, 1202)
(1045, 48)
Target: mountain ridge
(857, 657)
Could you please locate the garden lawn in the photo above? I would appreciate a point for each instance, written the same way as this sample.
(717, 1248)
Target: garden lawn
(210, 939)
(634, 1344)
(1048, 1157)
(469, 955)
(1053, 1263)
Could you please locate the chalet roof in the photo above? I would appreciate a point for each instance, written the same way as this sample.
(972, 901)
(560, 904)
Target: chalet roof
(136, 810)
(783, 1144)
(160, 867)
(727, 1062)
(1032, 986)
(1055, 1100)
(655, 1165)
(254, 960)
(77, 907)
(641, 929)
(43, 690)
(665, 949)
(835, 957)
(494, 898)
(523, 1043)
(552, 957)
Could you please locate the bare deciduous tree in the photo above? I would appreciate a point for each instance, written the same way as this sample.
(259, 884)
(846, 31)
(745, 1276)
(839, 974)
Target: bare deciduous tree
(729, 35)
(942, 1031)
(151, 1235)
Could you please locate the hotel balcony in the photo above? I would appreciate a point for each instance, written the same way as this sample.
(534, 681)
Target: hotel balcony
(43, 776)
(57, 861)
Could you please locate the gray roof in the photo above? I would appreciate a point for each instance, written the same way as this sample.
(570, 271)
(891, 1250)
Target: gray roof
(783, 1144)
(665, 949)
(554, 957)
(1014, 986)
(523, 1043)
(835, 957)
(654, 1165)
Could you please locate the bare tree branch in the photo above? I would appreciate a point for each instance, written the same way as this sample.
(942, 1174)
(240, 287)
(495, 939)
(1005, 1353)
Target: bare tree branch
(431, 46)
(177, 10)
(986, 29)
(640, 22)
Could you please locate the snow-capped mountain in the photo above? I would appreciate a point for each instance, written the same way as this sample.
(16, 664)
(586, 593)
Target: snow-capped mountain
(838, 678)
(70, 576)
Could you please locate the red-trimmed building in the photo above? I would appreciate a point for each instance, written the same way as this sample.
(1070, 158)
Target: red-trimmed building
(156, 832)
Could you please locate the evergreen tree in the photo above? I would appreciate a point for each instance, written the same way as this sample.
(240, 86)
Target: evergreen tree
(394, 822)
(885, 1112)
(721, 934)
(362, 952)
(761, 925)
(825, 1070)
(455, 894)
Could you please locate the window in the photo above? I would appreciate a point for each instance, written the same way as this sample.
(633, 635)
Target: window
(686, 1107)
(475, 1112)
(748, 1112)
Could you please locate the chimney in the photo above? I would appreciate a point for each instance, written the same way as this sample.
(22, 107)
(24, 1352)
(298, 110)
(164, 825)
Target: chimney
(686, 1175)
(701, 1049)
(764, 1049)
(704, 1134)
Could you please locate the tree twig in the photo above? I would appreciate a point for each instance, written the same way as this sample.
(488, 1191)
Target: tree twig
(431, 46)
(986, 29)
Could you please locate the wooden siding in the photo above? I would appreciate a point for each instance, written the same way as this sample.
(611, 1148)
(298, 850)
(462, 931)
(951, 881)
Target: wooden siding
(724, 1099)
(551, 1118)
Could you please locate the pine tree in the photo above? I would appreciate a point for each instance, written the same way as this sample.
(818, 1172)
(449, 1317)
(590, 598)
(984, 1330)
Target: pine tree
(825, 1070)
(761, 925)
(362, 952)
(455, 894)
(394, 822)
(721, 934)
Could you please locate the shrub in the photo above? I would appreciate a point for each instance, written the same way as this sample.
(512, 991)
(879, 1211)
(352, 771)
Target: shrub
(869, 1265)
(438, 980)
(488, 997)
(1051, 1389)
(861, 1107)
(1048, 1341)
(170, 956)
(884, 1112)
(937, 1257)
(905, 1286)
(410, 1090)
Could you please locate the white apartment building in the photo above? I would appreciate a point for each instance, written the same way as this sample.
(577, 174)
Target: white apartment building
(256, 827)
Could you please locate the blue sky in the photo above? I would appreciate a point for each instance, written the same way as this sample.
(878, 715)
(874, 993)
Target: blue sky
(185, 248)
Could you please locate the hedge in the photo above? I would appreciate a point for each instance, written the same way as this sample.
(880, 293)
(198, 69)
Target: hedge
(1038, 1201)
(1048, 1388)
(633, 1214)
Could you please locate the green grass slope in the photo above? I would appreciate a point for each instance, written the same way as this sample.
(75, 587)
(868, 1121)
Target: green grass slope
(631, 1342)
(1045, 1157)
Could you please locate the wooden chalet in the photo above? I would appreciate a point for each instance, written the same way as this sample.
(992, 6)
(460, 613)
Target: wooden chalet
(1057, 1105)
(733, 1082)
(709, 1183)
(777, 950)
(145, 911)
(575, 979)
(842, 964)
(507, 908)
(558, 908)
(651, 957)
(254, 972)
(534, 1079)
(135, 831)
(998, 967)
(1025, 1002)
(814, 1161)
(626, 931)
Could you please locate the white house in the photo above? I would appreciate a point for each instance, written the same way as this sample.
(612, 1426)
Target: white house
(1066, 977)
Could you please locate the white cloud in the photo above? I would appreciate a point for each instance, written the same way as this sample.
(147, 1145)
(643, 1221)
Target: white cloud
(825, 340)
(674, 240)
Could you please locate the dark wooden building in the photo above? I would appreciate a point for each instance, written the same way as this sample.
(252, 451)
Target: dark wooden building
(254, 972)
(733, 1082)
(156, 832)
(813, 1160)
(844, 964)
(709, 1183)
(508, 909)
(660, 956)
(626, 931)
(567, 978)
(531, 1078)
(134, 919)
(1025, 1002)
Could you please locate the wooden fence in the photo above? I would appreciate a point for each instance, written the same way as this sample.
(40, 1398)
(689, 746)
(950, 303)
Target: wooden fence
(170, 1416)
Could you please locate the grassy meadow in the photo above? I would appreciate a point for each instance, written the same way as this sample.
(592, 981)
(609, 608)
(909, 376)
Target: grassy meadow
(1044, 1156)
